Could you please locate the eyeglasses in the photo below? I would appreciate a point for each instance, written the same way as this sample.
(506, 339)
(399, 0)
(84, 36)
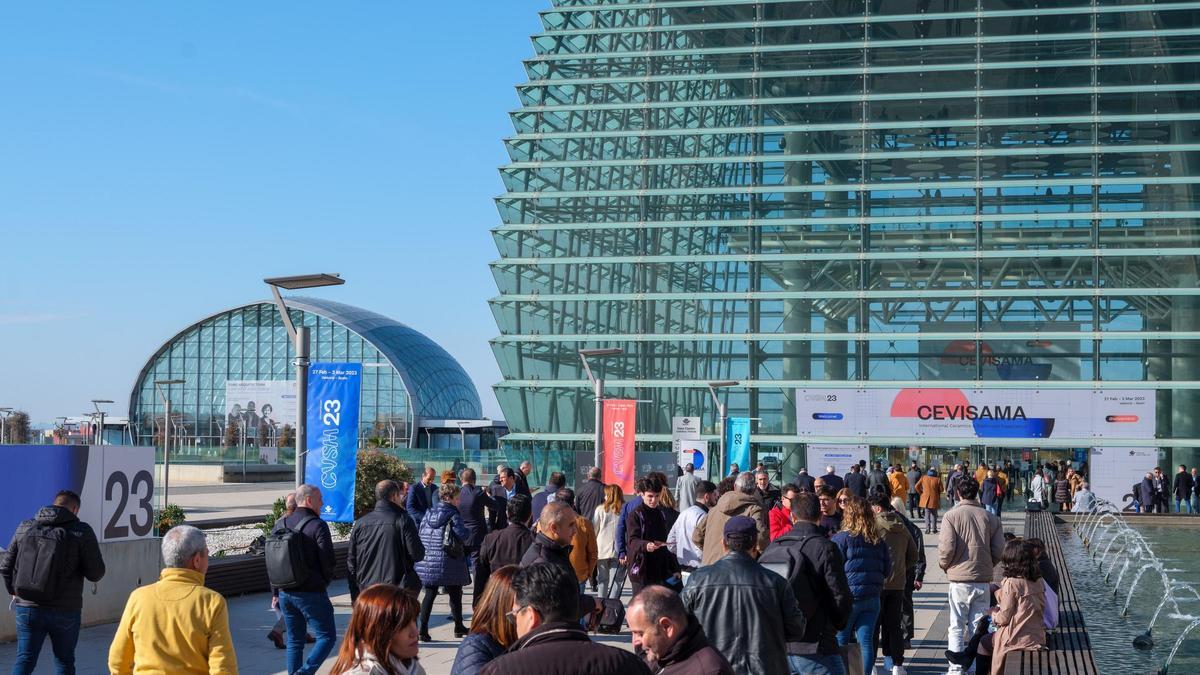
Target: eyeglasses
(843, 500)
(512, 616)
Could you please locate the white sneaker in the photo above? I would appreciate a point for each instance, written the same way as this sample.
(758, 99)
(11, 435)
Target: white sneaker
(899, 670)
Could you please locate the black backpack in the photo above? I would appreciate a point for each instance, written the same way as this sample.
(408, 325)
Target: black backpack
(41, 562)
(286, 565)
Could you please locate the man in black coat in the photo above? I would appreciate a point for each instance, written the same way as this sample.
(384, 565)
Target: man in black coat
(502, 489)
(1183, 490)
(856, 482)
(805, 482)
(384, 545)
(523, 478)
(672, 640)
(472, 501)
(833, 480)
(816, 572)
(506, 546)
(550, 639)
(309, 603)
(552, 544)
(541, 499)
(877, 480)
(590, 494)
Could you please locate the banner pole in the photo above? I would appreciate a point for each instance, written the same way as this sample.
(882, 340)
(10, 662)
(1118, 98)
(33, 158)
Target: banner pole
(599, 393)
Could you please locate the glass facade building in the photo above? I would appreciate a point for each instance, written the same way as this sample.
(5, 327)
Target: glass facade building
(407, 377)
(850, 194)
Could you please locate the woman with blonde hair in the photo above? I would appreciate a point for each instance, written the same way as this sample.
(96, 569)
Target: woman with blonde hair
(604, 520)
(491, 630)
(382, 636)
(868, 565)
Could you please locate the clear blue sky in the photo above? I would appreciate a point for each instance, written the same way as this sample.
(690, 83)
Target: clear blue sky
(157, 160)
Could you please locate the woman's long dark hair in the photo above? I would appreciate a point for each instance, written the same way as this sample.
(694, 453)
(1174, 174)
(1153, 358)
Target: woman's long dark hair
(379, 612)
(1019, 560)
(491, 615)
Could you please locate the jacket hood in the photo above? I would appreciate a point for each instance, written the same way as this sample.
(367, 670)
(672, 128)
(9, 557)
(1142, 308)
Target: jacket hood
(799, 531)
(737, 504)
(890, 523)
(54, 515)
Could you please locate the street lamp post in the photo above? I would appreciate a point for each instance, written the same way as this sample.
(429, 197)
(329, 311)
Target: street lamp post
(300, 337)
(712, 389)
(163, 387)
(598, 387)
(96, 402)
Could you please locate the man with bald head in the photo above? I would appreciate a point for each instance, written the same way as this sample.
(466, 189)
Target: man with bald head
(552, 544)
(385, 545)
(670, 639)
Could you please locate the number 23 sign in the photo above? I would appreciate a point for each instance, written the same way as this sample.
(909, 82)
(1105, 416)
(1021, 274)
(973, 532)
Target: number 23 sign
(127, 498)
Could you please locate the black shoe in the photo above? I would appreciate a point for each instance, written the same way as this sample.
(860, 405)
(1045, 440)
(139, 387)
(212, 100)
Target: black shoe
(957, 658)
(461, 631)
(425, 637)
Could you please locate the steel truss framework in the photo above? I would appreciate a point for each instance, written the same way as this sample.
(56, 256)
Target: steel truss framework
(787, 192)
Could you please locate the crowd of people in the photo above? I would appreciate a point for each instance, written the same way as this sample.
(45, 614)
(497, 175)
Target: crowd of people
(816, 576)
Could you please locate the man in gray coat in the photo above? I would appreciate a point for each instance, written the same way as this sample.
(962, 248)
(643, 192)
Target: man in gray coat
(685, 487)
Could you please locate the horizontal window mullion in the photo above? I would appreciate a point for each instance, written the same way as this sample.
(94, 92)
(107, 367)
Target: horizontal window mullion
(849, 337)
(850, 220)
(1125, 385)
(897, 294)
(866, 42)
(872, 255)
(872, 18)
(881, 70)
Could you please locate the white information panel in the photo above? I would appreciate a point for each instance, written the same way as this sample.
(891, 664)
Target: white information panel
(840, 457)
(683, 428)
(929, 413)
(1114, 471)
(695, 451)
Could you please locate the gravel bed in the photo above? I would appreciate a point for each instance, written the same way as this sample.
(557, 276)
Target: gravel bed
(236, 540)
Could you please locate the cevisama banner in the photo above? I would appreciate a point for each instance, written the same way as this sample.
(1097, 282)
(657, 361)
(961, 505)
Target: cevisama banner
(981, 413)
(620, 464)
(334, 390)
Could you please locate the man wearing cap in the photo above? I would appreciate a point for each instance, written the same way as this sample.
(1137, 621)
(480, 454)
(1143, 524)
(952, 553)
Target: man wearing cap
(748, 612)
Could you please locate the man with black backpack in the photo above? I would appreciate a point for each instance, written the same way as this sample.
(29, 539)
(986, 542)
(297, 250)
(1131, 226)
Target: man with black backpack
(816, 572)
(300, 564)
(43, 569)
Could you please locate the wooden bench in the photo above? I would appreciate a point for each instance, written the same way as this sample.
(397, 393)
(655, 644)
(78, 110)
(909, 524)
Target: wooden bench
(1069, 650)
(242, 574)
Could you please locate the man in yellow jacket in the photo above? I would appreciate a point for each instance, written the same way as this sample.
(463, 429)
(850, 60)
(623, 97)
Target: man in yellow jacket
(176, 625)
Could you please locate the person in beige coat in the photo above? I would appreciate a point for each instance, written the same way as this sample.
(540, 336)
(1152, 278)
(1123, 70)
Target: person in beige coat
(1019, 615)
(969, 548)
(741, 501)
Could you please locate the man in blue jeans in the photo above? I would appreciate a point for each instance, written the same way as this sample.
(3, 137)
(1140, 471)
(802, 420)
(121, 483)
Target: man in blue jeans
(309, 602)
(49, 602)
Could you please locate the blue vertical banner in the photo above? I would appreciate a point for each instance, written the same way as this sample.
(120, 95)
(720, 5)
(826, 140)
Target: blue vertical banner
(333, 395)
(737, 443)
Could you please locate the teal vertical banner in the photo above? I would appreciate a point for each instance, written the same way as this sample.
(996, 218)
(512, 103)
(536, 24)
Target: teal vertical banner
(333, 395)
(737, 443)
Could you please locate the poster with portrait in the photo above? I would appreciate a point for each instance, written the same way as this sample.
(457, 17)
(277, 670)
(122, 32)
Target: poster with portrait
(261, 408)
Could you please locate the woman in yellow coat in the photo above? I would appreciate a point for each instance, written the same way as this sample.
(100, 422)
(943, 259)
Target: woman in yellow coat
(899, 483)
(930, 488)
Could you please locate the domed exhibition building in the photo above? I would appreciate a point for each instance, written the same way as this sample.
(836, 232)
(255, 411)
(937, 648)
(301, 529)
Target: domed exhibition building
(238, 395)
(930, 230)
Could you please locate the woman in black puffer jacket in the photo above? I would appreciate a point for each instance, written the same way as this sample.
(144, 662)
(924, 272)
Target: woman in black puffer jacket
(491, 631)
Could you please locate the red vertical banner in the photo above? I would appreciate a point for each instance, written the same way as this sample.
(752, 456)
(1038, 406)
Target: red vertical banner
(620, 419)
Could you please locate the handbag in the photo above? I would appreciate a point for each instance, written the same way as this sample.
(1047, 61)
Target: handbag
(452, 546)
(852, 658)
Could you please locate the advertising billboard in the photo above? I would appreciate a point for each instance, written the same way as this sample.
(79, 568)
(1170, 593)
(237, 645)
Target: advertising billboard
(980, 413)
(620, 432)
(261, 407)
(840, 457)
(1114, 471)
(1015, 359)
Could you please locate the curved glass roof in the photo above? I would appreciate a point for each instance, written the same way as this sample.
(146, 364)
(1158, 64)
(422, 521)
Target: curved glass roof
(436, 383)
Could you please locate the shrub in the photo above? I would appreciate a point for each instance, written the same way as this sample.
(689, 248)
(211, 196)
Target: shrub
(374, 466)
(167, 517)
(276, 513)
